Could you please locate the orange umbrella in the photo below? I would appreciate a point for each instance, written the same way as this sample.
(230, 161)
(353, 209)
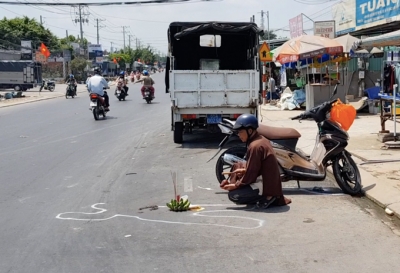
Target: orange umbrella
(306, 46)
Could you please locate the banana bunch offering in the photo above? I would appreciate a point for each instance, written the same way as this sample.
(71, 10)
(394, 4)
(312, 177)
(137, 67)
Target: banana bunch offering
(181, 205)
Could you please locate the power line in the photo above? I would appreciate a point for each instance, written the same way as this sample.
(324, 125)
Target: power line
(35, 4)
(144, 2)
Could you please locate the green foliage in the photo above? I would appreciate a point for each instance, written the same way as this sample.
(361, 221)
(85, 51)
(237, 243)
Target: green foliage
(129, 55)
(78, 66)
(17, 29)
(272, 35)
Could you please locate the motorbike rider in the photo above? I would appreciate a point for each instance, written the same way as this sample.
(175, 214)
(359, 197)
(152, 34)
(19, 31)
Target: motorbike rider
(147, 83)
(121, 77)
(96, 84)
(71, 80)
(244, 184)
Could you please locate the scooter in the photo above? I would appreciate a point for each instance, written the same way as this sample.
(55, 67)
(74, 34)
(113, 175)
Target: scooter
(97, 106)
(294, 164)
(70, 91)
(48, 85)
(120, 94)
(147, 95)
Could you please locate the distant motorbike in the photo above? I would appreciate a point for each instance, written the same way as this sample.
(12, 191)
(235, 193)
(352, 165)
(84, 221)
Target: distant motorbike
(48, 85)
(294, 164)
(147, 95)
(70, 91)
(120, 94)
(97, 105)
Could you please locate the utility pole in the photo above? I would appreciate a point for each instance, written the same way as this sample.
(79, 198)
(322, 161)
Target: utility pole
(123, 31)
(268, 29)
(98, 27)
(130, 40)
(41, 20)
(81, 19)
(111, 49)
(137, 43)
(262, 20)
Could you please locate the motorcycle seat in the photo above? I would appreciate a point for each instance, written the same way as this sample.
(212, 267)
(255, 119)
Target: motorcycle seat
(276, 133)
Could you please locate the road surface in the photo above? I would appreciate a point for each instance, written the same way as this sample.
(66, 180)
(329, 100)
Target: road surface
(71, 191)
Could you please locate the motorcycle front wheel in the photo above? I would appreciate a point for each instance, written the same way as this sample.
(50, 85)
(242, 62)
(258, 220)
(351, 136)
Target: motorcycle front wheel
(222, 166)
(347, 174)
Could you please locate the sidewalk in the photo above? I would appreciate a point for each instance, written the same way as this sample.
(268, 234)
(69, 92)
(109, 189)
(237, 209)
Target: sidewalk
(380, 181)
(33, 95)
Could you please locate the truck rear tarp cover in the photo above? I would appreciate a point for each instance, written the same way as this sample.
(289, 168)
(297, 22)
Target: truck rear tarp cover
(239, 44)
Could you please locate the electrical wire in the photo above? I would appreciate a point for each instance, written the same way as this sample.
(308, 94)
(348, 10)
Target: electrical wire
(143, 2)
(33, 6)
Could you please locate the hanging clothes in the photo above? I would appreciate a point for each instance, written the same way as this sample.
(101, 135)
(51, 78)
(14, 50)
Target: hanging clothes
(397, 72)
(388, 78)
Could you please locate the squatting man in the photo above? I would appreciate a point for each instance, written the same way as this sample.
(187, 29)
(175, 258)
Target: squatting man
(243, 184)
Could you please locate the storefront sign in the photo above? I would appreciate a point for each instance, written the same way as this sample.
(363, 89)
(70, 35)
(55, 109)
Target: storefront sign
(93, 48)
(344, 16)
(296, 26)
(40, 57)
(353, 15)
(370, 11)
(325, 29)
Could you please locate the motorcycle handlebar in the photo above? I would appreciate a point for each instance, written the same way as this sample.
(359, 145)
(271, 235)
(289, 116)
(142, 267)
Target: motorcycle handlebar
(301, 116)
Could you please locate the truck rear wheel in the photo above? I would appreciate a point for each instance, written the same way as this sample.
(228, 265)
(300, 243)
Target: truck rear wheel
(178, 132)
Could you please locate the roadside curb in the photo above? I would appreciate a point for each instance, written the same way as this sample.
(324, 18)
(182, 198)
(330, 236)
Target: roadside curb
(36, 100)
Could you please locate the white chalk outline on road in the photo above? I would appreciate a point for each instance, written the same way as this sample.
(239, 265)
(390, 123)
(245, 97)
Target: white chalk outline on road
(259, 222)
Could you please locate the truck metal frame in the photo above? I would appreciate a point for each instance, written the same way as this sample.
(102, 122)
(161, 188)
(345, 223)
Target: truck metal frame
(20, 75)
(212, 81)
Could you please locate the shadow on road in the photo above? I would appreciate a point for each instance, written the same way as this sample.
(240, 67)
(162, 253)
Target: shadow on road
(206, 140)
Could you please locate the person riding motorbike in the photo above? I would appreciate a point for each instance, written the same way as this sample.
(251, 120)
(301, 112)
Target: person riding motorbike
(96, 84)
(121, 77)
(244, 184)
(72, 80)
(147, 83)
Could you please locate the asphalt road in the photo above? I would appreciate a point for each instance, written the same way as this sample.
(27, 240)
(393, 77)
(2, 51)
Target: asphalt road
(71, 191)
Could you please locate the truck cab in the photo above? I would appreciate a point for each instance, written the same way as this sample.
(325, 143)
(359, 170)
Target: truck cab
(212, 72)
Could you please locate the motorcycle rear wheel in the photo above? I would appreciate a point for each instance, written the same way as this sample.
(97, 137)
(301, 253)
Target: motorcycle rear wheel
(222, 166)
(96, 113)
(347, 174)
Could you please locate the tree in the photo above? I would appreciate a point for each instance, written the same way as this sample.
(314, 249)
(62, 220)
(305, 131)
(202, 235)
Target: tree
(78, 65)
(272, 35)
(12, 31)
(122, 58)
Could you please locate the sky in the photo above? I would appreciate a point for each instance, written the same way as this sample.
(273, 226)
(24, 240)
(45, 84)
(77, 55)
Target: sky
(149, 23)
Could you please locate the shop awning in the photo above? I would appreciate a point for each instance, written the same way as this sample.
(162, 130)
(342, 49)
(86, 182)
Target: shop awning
(388, 39)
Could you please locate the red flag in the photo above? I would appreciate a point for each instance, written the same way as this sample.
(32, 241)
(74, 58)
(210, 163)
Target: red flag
(44, 50)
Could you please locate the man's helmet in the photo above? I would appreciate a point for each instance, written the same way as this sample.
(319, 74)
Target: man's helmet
(71, 76)
(145, 72)
(122, 73)
(246, 121)
(97, 70)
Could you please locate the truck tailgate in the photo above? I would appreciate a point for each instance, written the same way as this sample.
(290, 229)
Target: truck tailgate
(214, 88)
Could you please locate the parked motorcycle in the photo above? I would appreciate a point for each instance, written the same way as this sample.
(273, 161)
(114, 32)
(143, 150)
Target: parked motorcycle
(294, 164)
(48, 85)
(70, 91)
(120, 94)
(147, 95)
(97, 106)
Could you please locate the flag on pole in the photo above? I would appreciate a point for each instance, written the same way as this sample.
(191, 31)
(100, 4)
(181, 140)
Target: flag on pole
(44, 50)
